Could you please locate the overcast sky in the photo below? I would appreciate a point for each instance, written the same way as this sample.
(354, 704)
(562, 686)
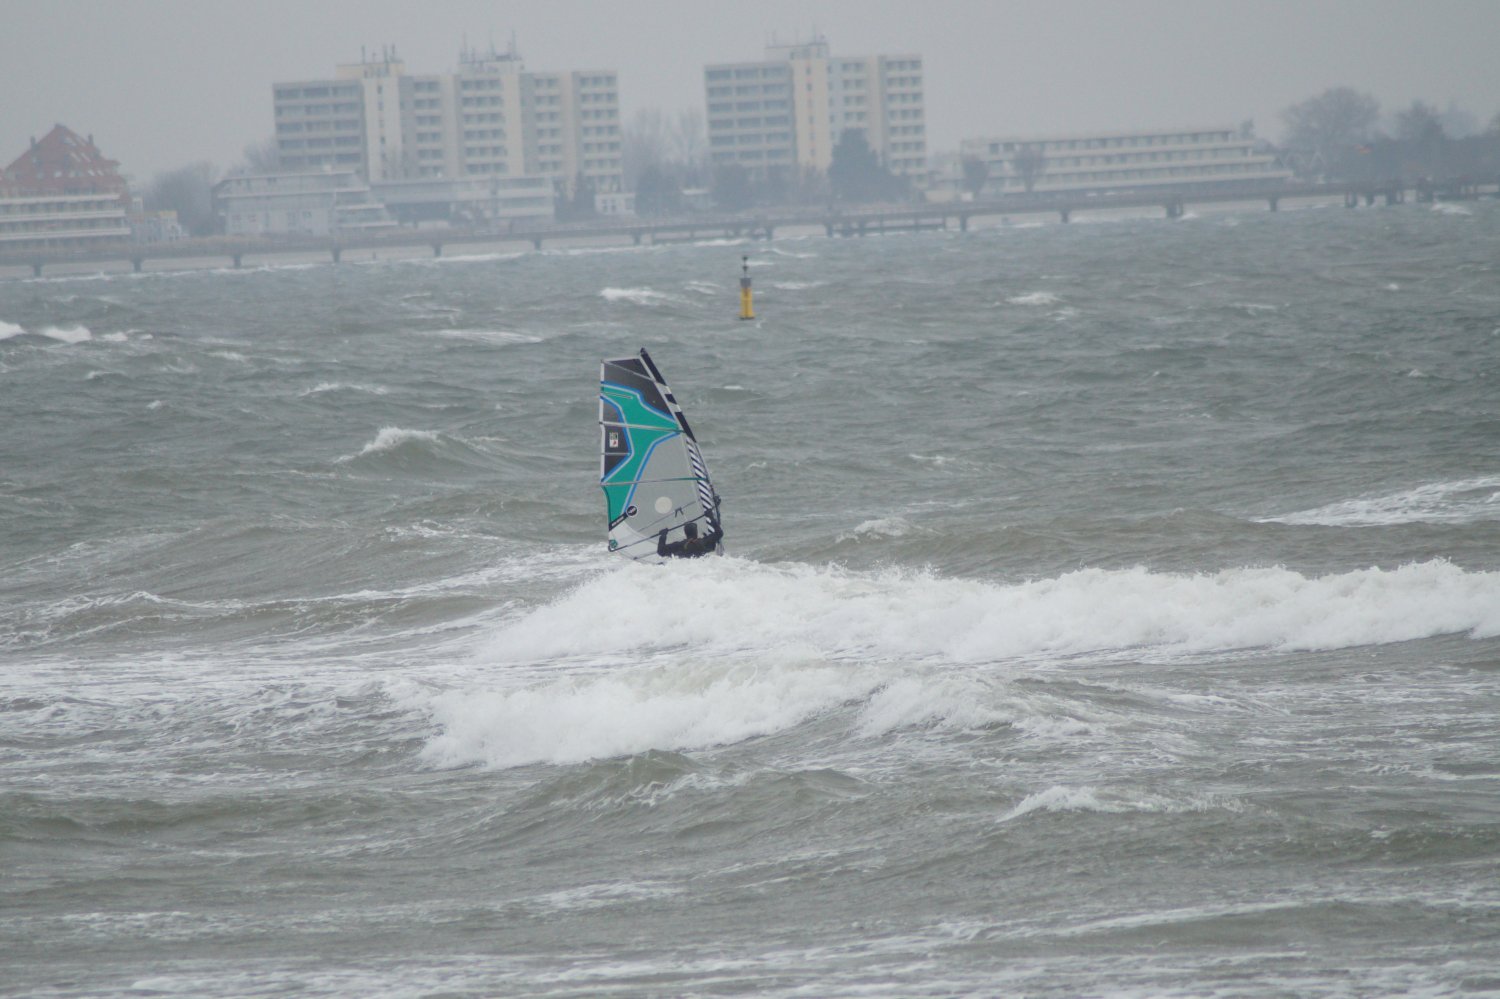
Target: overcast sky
(162, 83)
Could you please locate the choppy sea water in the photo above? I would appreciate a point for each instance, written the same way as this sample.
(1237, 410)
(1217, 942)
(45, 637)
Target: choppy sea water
(1111, 608)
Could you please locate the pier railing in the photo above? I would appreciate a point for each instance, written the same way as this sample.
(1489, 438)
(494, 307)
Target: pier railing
(835, 221)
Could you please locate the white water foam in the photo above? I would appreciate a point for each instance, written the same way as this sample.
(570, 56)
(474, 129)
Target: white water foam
(322, 387)
(1034, 298)
(8, 330)
(737, 606)
(1464, 501)
(756, 649)
(390, 438)
(880, 527)
(1061, 798)
(485, 336)
(688, 707)
(67, 334)
(637, 296)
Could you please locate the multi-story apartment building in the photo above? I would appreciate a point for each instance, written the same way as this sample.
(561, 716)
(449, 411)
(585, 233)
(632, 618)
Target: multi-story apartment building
(490, 118)
(791, 108)
(1116, 161)
(62, 194)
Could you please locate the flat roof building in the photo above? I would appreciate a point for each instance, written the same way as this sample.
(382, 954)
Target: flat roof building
(489, 118)
(790, 108)
(312, 203)
(1120, 161)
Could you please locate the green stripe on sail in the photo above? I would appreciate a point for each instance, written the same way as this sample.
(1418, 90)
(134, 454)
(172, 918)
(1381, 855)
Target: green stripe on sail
(645, 428)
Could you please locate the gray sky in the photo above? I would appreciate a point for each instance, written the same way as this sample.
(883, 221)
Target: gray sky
(162, 83)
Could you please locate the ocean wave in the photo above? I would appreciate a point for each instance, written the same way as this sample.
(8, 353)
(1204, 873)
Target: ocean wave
(758, 649)
(485, 336)
(896, 615)
(1464, 501)
(322, 387)
(880, 527)
(567, 721)
(1062, 798)
(76, 333)
(637, 296)
(390, 439)
(1034, 298)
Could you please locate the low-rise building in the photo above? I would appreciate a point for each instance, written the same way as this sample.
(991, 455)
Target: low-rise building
(1182, 159)
(314, 203)
(468, 200)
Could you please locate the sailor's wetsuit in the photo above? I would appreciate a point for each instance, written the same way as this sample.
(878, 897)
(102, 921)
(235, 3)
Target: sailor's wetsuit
(689, 547)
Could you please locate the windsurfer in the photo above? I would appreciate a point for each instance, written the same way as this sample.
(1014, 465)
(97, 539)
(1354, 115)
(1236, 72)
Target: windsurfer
(691, 546)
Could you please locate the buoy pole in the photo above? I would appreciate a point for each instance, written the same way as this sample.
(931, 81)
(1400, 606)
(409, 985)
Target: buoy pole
(747, 305)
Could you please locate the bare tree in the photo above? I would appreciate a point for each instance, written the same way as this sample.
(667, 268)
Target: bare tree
(645, 142)
(1029, 163)
(1419, 123)
(689, 138)
(976, 173)
(188, 191)
(259, 157)
(1322, 127)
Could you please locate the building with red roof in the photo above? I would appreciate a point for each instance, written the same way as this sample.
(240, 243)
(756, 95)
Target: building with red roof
(62, 194)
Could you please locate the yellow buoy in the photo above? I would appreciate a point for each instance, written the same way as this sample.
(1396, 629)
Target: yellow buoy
(747, 304)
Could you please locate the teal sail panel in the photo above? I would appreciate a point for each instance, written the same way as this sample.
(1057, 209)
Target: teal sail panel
(650, 467)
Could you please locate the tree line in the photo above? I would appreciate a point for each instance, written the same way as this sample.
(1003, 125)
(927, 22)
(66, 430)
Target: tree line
(188, 190)
(1339, 135)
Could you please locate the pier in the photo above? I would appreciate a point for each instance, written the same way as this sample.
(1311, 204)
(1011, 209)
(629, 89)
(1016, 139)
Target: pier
(835, 222)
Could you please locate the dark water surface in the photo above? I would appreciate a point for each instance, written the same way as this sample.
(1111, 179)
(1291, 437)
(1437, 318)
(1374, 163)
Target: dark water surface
(1112, 609)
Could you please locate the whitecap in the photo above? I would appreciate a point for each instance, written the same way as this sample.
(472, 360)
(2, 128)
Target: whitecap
(567, 721)
(485, 336)
(895, 616)
(1034, 298)
(881, 527)
(322, 387)
(8, 330)
(1461, 501)
(67, 334)
(638, 296)
(390, 438)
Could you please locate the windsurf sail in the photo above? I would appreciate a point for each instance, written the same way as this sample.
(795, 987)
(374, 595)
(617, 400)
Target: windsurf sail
(651, 470)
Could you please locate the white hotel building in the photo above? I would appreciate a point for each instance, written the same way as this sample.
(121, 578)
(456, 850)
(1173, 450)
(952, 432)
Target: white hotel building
(490, 119)
(1120, 161)
(789, 109)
